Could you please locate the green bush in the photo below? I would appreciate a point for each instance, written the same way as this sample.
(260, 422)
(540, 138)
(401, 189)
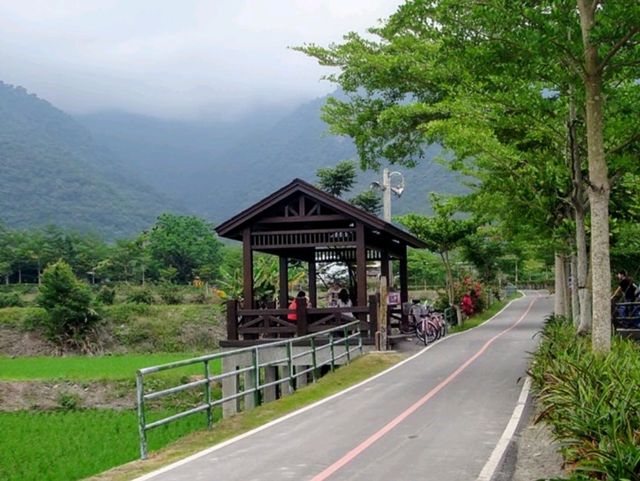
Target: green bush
(68, 302)
(10, 299)
(140, 295)
(171, 294)
(106, 295)
(591, 401)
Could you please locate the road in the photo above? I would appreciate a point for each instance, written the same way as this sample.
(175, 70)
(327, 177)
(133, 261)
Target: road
(437, 416)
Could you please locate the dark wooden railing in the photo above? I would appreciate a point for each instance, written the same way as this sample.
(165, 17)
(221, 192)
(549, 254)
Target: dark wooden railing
(262, 325)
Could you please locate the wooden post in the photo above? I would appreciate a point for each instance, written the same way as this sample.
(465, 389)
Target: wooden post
(232, 320)
(301, 311)
(247, 264)
(404, 286)
(313, 290)
(283, 280)
(382, 314)
(373, 316)
(361, 265)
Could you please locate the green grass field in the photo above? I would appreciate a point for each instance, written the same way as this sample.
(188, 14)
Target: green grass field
(83, 368)
(72, 445)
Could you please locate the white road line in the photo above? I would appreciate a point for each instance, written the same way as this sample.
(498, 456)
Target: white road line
(498, 452)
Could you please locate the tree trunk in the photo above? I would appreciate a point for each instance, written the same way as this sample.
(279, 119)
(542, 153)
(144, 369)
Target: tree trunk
(599, 186)
(19, 276)
(559, 307)
(580, 206)
(449, 280)
(584, 290)
(575, 301)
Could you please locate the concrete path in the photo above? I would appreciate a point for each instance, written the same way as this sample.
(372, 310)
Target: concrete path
(436, 417)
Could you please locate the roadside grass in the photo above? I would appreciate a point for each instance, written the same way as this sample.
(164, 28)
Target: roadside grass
(477, 319)
(88, 368)
(71, 445)
(359, 370)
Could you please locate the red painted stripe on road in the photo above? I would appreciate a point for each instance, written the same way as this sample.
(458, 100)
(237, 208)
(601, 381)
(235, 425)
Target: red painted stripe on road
(355, 452)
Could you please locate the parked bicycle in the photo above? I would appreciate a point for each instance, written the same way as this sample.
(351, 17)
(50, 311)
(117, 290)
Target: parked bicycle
(428, 324)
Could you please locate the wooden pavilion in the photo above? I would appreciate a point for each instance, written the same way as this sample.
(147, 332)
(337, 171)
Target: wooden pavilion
(301, 222)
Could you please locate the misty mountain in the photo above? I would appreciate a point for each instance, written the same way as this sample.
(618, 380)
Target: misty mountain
(52, 171)
(219, 168)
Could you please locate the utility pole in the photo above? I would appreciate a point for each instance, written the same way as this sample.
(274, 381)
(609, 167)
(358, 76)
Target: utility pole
(387, 189)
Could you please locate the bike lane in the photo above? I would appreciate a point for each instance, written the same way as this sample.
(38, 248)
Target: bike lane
(437, 416)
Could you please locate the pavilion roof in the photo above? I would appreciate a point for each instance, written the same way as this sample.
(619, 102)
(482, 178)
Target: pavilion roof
(233, 227)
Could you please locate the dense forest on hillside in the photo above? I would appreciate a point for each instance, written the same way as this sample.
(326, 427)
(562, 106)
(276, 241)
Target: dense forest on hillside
(53, 172)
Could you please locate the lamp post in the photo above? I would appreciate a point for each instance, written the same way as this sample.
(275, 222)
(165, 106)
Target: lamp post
(387, 188)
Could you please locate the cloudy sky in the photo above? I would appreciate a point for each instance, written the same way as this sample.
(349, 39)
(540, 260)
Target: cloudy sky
(173, 58)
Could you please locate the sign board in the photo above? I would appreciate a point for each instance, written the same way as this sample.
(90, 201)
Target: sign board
(393, 298)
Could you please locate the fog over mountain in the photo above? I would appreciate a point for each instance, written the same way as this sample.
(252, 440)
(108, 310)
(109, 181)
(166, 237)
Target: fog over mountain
(217, 169)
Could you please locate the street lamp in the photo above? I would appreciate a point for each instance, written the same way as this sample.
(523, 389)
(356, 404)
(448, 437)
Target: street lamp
(387, 188)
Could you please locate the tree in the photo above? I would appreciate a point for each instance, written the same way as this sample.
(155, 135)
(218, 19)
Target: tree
(368, 201)
(440, 66)
(186, 244)
(68, 304)
(442, 233)
(337, 180)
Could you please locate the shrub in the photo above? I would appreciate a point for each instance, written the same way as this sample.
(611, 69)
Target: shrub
(68, 301)
(106, 295)
(171, 294)
(10, 299)
(140, 295)
(591, 401)
(68, 401)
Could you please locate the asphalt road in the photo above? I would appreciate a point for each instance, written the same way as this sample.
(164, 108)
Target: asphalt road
(435, 417)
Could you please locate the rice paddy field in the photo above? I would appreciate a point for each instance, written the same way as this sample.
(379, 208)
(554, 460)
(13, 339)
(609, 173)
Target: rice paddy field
(72, 445)
(83, 368)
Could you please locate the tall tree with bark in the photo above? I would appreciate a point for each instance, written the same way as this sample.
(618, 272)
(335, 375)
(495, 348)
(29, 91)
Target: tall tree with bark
(432, 52)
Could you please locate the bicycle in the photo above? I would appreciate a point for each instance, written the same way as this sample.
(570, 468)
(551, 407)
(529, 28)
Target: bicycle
(428, 324)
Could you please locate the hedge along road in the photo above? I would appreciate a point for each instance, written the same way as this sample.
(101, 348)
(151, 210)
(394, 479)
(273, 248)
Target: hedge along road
(437, 416)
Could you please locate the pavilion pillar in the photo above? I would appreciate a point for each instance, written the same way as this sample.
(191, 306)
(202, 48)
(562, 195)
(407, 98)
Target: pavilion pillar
(361, 265)
(384, 267)
(283, 280)
(247, 264)
(404, 281)
(313, 289)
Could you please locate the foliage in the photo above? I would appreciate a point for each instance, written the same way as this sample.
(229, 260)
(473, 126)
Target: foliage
(10, 299)
(337, 180)
(170, 294)
(442, 233)
(70, 317)
(140, 295)
(106, 295)
(591, 401)
(186, 244)
(368, 201)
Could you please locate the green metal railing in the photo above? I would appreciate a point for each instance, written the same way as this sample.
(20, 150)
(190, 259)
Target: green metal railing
(329, 339)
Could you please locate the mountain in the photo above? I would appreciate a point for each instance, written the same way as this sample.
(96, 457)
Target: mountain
(52, 171)
(219, 168)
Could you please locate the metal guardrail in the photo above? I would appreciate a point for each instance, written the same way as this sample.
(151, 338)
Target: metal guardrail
(450, 316)
(626, 314)
(348, 331)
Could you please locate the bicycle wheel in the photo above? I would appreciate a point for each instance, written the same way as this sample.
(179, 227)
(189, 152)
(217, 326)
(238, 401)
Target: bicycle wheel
(420, 332)
(430, 332)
